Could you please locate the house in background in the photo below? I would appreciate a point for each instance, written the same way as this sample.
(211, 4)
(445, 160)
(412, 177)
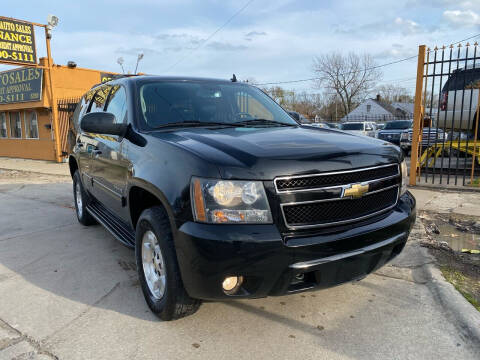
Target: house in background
(380, 111)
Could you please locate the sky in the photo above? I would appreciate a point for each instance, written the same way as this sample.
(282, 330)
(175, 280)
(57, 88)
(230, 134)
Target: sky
(269, 41)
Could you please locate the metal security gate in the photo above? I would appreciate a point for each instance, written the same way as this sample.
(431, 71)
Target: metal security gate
(66, 107)
(444, 142)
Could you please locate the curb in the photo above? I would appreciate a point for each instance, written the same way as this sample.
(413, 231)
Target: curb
(456, 307)
(35, 172)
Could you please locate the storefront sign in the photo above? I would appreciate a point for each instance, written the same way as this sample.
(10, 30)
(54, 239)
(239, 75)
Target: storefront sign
(17, 42)
(21, 85)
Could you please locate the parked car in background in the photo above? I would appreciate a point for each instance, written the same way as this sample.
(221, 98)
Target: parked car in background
(459, 99)
(299, 117)
(430, 136)
(365, 128)
(333, 125)
(224, 196)
(393, 130)
(319, 125)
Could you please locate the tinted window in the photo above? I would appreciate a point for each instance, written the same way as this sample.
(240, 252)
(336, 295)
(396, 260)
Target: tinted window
(81, 108)
(164, 103)
(99, 99)
(117, 105)
(352, 126)
(398, 125)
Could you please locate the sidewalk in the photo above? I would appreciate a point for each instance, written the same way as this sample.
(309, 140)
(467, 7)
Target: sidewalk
(447, 201)
(37, 166)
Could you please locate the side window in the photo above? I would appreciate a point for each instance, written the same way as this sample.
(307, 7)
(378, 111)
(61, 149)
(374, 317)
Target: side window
(3, 125)
(31, 125)
(369, 107)
(99, 99)
(117, 104)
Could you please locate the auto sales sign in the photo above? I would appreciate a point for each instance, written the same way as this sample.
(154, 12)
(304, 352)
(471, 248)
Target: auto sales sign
(17, 42)
(21, 85)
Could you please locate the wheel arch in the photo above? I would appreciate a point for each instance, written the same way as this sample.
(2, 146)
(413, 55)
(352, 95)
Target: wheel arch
(72, 164)
(143, 195)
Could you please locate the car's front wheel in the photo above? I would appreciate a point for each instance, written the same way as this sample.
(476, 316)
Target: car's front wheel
(158, 269)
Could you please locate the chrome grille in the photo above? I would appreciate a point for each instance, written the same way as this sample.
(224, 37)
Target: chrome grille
(322, 196)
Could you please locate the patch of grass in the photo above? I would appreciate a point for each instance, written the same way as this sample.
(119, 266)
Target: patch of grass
(466, 286)
(476, 182)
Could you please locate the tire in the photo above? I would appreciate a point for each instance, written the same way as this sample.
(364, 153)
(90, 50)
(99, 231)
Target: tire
(153, 239)
(81, 200)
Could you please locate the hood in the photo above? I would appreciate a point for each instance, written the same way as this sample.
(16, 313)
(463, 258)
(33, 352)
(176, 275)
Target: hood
(264, 153)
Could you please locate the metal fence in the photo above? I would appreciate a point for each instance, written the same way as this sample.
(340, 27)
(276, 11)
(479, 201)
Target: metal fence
(445, 146)
(66, 107)
(377, 118)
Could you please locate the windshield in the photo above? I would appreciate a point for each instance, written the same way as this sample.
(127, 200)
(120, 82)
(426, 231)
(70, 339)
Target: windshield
(176, 102)
(398, 125)
(352, 126)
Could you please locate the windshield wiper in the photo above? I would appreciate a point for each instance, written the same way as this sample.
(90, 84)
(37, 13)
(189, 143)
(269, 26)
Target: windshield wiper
(197, 123)
(263, 122)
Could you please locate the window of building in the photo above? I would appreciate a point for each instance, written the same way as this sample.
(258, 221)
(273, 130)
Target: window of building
(15, 125)
(3, 125)
(117, 104)
(31, 125)
(369, 107)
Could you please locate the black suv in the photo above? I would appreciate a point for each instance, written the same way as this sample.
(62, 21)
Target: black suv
(224, 196)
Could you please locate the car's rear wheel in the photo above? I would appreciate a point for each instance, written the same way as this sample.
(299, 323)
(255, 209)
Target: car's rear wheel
(81, 200)
(158, 269)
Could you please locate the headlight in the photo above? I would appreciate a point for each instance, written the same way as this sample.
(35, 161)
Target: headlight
(404, 171)
(229, 201)
(404, 136)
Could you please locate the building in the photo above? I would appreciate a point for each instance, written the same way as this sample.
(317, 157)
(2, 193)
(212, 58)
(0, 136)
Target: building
(26, 109)
(380, 111)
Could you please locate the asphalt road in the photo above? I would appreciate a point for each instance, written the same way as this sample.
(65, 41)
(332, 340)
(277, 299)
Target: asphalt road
(71, 292)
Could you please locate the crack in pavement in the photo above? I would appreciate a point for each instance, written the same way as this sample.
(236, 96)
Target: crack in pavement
(23, 337)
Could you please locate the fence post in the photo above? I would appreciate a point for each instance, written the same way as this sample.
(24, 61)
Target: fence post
(417, 115)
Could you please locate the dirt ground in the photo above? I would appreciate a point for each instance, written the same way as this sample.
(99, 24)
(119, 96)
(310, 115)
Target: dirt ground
(26, 177)
(462, 269)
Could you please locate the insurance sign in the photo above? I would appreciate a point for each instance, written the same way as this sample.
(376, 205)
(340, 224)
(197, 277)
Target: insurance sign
(17, 42)
(21, 85)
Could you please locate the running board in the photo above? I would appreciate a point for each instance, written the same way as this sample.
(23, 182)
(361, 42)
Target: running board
(114, 226)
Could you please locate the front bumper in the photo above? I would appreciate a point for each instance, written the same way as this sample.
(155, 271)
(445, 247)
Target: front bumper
(273, 265)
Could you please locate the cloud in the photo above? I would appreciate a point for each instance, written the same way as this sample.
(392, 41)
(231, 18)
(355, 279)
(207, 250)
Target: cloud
(407, 26)
(398, 25)
(256, 33)
(464, 18)
(223, 46)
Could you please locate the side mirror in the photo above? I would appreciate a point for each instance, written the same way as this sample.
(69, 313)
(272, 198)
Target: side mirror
(102, 123)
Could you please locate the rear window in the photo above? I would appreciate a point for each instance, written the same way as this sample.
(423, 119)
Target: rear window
(352, 126)
(398, 125)
(468, 79)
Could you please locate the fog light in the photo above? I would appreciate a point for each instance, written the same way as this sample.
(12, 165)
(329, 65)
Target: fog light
(231, 284)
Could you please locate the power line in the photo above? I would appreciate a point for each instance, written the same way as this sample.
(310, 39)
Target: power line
(211, 35)
(352, 72)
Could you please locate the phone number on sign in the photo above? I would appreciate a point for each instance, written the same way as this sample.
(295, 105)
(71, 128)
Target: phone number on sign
(16, 56)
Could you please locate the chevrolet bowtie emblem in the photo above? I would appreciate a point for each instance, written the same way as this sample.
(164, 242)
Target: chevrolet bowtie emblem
(355, 190)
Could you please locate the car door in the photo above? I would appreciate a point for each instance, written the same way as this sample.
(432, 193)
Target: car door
(109, 166)
(84, 142)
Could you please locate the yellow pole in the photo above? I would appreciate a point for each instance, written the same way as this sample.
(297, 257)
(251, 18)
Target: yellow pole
(53, 100)
(475, 140)
(417, 115)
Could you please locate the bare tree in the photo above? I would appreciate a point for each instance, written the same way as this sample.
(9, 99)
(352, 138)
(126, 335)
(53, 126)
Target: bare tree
(352, 77)
(393, 93)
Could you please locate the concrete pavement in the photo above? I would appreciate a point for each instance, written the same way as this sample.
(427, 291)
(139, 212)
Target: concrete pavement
(71, 292)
